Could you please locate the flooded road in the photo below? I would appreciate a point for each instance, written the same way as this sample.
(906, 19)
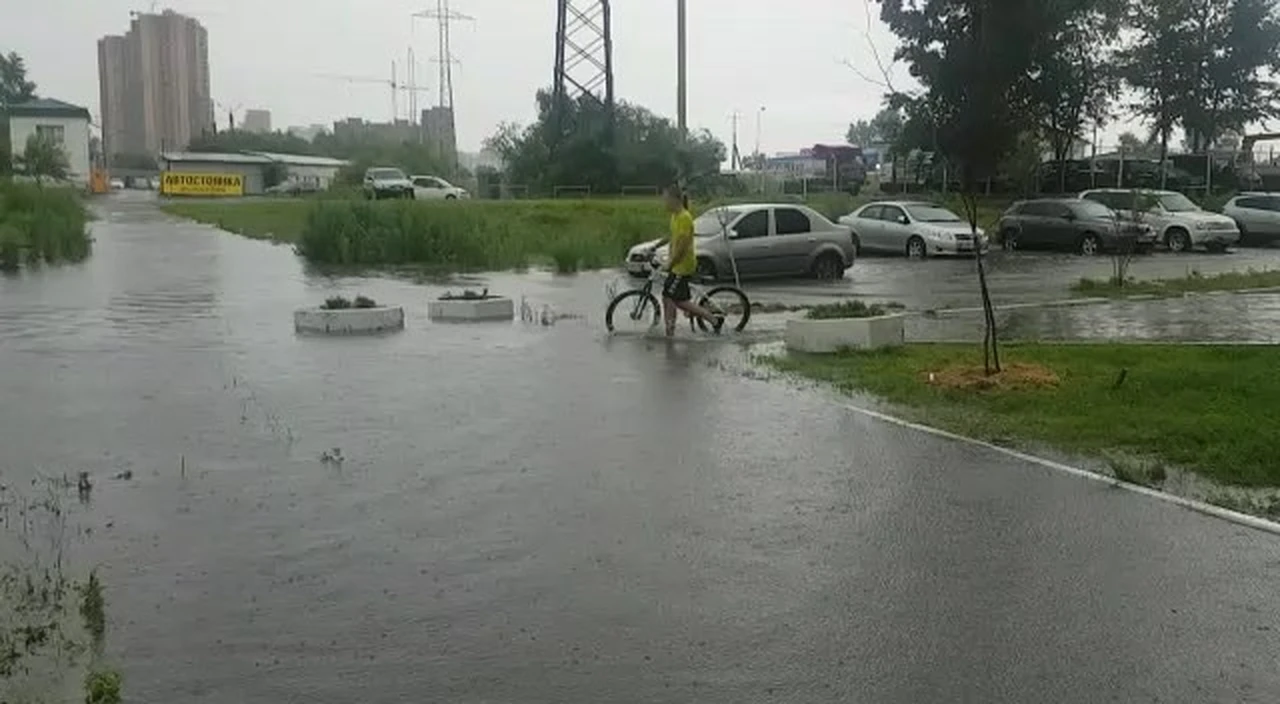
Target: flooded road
(530, 513)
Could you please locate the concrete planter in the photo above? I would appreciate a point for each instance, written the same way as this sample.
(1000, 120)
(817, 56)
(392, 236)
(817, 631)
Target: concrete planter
(472, 309)
(349, 321)
(804, 335)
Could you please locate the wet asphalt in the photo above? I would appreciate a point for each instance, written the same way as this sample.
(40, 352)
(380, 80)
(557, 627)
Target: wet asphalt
(534, 513)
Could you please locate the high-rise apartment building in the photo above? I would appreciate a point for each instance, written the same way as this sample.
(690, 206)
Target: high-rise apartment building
(438, 132)
(154, 84)
(257, 121)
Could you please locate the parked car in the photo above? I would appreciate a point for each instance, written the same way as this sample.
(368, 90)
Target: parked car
(292, 188)
(763, 239)
(435, 188)
(1072, 224)
(917, 229)
(1179, 223)
(117, 184)
(384, 182)
(1257, 215)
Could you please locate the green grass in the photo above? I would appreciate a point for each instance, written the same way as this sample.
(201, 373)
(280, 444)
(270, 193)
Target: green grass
(1193, 283)
(38, 225)
(845, 309)
(474, 235)
(278, 219)
(1208, 409)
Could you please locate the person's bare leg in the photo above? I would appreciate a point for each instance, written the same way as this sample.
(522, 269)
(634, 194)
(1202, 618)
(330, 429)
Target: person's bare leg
(669, 315)
(694, 309)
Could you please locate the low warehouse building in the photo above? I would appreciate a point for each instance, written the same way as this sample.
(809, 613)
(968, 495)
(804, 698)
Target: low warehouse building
(212, 174)
(242, 174)
(317, 172)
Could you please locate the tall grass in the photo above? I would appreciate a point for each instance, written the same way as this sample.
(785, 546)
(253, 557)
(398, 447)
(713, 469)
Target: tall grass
(479, 235)
(41, 225)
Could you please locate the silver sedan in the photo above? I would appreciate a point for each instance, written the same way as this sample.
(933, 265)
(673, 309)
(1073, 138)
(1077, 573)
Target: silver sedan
(916, 229)
(765, 239)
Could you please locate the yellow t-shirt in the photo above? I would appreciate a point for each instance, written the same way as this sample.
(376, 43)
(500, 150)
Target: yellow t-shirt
(681, 232)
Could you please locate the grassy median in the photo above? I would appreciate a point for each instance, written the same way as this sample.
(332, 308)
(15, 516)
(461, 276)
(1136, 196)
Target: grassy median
(1208, 409)
(1194, 283)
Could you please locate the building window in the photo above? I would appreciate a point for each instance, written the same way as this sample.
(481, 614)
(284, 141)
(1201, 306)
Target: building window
(55, 133)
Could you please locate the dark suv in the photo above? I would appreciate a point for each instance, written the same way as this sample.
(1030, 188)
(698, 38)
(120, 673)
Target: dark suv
(1068, 224)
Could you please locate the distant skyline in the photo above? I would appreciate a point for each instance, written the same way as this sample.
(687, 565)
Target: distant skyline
(744, 54)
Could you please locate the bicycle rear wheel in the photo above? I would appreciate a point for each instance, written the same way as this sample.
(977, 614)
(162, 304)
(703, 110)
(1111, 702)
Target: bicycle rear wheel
(729, 301)
(632, 309)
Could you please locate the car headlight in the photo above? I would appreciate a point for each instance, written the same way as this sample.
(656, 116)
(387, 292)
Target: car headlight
(1204, 225)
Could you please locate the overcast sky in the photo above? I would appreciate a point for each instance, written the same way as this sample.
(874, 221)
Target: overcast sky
(743, 55)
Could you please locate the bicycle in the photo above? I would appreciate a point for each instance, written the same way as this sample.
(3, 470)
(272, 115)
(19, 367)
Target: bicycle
(638, 310)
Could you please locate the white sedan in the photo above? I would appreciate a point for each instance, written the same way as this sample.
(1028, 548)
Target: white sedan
(916, 229)
(435, 188)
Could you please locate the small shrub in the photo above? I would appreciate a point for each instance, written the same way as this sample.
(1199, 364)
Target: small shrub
(365, 302)
(845, 309)
(41, 225)
(336, 303)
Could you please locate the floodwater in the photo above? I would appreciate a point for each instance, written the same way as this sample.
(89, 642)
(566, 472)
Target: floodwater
(529, 513)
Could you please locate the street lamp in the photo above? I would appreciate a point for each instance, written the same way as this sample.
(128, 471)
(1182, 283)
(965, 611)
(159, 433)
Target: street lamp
(759, 157)
(682, 56)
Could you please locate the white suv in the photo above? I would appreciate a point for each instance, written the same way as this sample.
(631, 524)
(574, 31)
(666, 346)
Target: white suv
(386, 182)
(1180, 224)
(435, 188)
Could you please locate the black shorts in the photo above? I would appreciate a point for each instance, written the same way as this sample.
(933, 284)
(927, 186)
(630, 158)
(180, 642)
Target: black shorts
(676, 288)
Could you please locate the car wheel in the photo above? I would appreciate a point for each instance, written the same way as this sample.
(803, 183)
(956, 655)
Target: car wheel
(828, 267)
(1244, 235)
(450, 197)
(1009, 240)
(1178, 240)
(1089, 245)
(916, 248)
(706, 269)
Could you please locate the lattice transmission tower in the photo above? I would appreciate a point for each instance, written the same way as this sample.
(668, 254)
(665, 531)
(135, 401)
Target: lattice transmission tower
(584, 50)
(584, 60)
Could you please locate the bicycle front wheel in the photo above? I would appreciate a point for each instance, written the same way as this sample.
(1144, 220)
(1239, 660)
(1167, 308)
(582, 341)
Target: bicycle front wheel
(632, 309)
(729, 301)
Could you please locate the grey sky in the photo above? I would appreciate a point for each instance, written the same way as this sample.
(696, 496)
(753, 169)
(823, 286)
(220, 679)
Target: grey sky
(744, 54)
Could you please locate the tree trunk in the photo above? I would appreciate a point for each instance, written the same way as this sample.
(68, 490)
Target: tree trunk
(990, 341)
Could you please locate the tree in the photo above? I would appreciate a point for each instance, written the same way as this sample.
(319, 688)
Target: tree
(573, 148)
(1233, 44)
(1202, 64)
(1134, 147)
(976, 61)
(883, 128)
(1153, 65)
(14, 88)
(1075, 82)
(861, 133)
(44, 158)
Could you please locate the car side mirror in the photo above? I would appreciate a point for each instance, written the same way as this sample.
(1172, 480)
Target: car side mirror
(731, 233)
(902, 220)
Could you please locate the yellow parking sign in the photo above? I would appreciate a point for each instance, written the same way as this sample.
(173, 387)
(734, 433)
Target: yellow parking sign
(178, 183)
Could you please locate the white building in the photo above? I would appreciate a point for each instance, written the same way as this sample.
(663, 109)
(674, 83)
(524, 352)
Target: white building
(66, 124)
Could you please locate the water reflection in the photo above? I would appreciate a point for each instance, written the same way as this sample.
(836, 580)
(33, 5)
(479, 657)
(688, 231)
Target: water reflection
(1218, 318)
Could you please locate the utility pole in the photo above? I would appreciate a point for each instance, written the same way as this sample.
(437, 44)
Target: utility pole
(735, 158)
(444, 18)
(682, 56)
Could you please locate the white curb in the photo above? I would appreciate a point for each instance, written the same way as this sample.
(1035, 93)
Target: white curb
(1237, 517)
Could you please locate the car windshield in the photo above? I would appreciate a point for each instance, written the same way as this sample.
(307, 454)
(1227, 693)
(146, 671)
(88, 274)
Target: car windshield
(1177, 203)
(386, 173)
(931, 213)
(1093, 209)
(710, 224)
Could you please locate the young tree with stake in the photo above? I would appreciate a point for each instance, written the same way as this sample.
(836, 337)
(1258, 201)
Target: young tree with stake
(976, 61)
